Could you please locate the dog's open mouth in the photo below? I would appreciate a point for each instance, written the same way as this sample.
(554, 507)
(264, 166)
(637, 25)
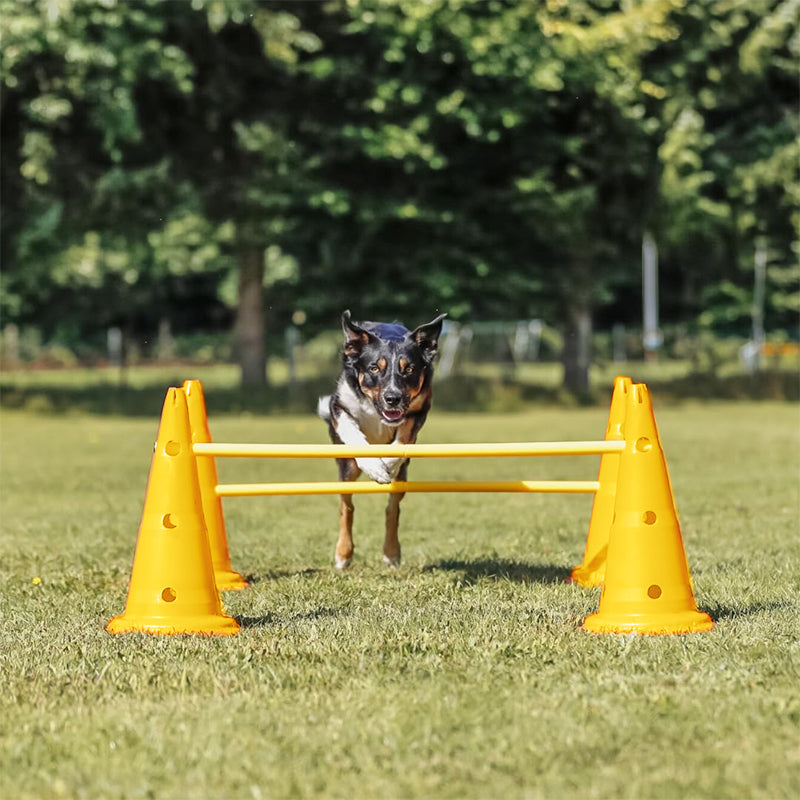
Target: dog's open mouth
(392, 414)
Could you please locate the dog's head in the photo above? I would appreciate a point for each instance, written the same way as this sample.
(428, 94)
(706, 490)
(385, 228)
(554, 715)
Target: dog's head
(390, 365)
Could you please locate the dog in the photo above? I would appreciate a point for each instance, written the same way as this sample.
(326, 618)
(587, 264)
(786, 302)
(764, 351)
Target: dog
(383, 396)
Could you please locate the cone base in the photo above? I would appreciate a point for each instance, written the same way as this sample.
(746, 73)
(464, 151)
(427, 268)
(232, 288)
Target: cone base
(585, 576)
(229, 580)
(654, 624)
(205, 624)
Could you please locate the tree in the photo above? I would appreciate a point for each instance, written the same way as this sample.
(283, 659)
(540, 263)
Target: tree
(727, 159)
(126, 125)
(498, 147)
(494, 159)
(230, 138)
(75, 215)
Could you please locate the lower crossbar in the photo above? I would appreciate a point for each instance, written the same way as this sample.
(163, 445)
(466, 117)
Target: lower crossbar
(400, 487)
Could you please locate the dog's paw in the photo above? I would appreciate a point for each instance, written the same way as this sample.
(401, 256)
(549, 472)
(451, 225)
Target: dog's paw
(392, 561)
(375, 469)
(393, 465)
(342, 563)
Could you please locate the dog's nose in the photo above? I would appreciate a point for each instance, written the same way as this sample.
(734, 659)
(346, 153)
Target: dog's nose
(392, 398)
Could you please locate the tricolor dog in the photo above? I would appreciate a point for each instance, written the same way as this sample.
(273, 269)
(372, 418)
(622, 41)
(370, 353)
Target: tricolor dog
(383, 395)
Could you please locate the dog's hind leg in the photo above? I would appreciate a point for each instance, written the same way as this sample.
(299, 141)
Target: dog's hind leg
(348, 471)
(391, 544)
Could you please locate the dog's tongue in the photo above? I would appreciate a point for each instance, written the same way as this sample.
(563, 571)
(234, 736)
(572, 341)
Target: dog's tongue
(392, 416)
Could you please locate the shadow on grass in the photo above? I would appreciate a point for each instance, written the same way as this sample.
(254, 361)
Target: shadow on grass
(721, 612)
(270, 620)
(469, 572)
(280, 574)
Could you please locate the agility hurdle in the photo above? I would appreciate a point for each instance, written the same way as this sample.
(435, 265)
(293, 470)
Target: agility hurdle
(634, 545)
(509, 449)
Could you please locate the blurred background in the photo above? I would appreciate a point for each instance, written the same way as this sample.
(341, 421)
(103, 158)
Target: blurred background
(199, 188)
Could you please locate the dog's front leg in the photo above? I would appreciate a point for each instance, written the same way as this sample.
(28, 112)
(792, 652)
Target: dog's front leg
(391, 543)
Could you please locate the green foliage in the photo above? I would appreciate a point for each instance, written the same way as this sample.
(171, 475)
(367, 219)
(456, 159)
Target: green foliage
(493, 159)
(725, 184)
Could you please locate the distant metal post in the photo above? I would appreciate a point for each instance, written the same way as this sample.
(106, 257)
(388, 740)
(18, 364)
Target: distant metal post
(292, 339)
(115, 343)
(759, 292)
(651, 334)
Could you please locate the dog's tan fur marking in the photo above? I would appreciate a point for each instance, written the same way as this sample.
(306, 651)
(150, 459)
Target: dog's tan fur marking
(370, 391)
(404, 432)
(419, 398)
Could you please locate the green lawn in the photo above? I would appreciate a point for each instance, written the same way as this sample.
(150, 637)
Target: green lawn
(463, 674)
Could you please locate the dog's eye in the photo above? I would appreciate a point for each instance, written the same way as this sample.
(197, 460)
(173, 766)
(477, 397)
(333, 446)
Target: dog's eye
(373, 369)
(409, 370)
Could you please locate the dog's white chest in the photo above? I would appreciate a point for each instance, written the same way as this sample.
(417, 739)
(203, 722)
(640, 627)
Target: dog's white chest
(364, 424)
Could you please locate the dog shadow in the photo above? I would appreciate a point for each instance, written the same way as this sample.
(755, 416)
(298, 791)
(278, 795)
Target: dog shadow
(469, 571)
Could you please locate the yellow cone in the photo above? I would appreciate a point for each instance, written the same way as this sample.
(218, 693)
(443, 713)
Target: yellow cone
(172, 587)
(225, 575)
(647, 588)
(593, 568)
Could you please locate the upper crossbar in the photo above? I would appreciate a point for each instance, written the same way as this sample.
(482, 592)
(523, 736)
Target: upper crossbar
(483, 449)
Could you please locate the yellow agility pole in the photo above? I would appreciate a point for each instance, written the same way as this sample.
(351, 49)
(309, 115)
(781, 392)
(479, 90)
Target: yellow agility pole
(397, 487)
(494, 449)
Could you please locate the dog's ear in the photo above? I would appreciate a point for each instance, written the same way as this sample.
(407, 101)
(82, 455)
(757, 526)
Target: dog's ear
(354, 337)
(427, 337)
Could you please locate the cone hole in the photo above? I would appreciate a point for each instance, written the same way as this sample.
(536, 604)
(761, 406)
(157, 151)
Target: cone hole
(643, 445)
(172, 448)
(649, 517)
(169, 595)
(169, 521)
(654, 591)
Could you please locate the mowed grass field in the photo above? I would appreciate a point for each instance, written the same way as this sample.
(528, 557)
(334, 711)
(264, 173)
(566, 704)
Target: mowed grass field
(463, 674)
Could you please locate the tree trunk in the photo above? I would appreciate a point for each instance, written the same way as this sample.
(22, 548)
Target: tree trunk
(576, 357)
(577, 353)
(249, 328)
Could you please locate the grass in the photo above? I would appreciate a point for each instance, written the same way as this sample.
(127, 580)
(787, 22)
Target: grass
(463, 674)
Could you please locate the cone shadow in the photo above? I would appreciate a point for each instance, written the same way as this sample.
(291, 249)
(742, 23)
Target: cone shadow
(270, 620)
